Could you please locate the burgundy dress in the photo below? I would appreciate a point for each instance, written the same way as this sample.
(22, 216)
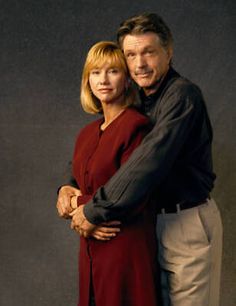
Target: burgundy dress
(123, 270)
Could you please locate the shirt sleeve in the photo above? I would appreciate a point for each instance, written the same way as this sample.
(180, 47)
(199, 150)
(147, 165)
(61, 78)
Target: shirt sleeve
(151, 161)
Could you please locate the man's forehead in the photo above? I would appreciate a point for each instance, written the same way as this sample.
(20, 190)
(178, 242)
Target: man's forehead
(140, 40)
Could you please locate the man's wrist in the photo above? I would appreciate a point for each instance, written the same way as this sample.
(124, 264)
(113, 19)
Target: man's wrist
(91, 214)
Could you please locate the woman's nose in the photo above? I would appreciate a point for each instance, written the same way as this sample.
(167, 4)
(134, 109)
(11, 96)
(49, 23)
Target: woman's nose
(103, 78)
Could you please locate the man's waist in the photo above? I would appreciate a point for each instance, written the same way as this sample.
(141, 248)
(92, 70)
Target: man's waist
(171, 207)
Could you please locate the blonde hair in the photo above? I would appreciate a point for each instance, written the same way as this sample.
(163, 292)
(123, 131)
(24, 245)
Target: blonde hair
(98, 55)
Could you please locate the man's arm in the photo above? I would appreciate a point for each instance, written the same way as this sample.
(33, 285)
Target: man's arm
(104, 231)
(150, 162)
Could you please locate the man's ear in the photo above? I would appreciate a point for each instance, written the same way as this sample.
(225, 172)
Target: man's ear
(170, 52)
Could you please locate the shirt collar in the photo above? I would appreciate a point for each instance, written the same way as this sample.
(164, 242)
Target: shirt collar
(150, 99)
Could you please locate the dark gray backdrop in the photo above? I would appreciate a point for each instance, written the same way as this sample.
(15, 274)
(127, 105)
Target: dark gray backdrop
(42, 49)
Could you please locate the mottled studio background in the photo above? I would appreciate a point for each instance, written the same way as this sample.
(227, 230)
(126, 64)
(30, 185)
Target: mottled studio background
(42, 48)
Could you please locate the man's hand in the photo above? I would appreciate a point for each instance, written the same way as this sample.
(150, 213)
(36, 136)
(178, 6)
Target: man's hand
(105, 232)
(64, 198)
(86, 229)
(79, 222)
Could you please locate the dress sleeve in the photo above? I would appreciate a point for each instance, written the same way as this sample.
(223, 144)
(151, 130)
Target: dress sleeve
(68, 178)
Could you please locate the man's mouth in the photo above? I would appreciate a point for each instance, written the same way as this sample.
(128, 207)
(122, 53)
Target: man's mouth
(143, 74)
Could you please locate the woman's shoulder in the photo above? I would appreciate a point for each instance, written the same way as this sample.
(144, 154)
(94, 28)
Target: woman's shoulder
(133, 122)
(134, 117)
(89, 128)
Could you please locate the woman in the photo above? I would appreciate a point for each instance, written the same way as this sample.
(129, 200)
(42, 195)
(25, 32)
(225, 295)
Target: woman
(121, 271)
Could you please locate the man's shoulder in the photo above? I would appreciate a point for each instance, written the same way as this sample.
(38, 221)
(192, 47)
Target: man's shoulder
(183, 86)
(180, 93)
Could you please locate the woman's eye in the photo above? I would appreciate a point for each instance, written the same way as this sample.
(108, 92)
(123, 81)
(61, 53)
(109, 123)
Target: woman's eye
(94, 72)
(113, 71)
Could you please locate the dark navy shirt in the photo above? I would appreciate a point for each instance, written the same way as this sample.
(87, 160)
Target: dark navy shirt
(173, 162)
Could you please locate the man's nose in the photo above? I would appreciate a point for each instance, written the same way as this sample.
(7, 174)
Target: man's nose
(140, 61)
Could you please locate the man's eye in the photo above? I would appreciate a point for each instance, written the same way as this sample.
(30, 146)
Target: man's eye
(130, 55)
(149, 52)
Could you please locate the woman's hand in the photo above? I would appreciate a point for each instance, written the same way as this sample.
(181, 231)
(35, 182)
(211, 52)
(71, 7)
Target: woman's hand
(64, 200)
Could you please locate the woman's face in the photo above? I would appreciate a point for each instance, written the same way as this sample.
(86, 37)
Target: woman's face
(108, 83)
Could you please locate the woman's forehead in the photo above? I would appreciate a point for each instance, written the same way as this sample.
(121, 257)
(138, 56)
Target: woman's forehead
(107, 61)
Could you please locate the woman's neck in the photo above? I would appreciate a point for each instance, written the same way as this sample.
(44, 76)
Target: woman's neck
(111, 112)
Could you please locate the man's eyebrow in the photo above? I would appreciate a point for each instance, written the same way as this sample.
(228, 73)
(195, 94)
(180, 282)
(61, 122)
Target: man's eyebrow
(144, 48)
(127, 50)
(148, 47)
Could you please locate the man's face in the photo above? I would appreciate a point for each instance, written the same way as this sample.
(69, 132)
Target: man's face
(147, 59)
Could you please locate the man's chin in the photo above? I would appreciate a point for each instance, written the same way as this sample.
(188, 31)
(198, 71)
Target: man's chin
(149, 86)
(143, 83)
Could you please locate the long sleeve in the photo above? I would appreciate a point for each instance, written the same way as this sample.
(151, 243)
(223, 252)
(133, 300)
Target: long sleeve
(68, 178)
(178, 112)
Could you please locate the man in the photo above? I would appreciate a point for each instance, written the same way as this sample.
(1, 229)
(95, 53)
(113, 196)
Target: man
(174, 162)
